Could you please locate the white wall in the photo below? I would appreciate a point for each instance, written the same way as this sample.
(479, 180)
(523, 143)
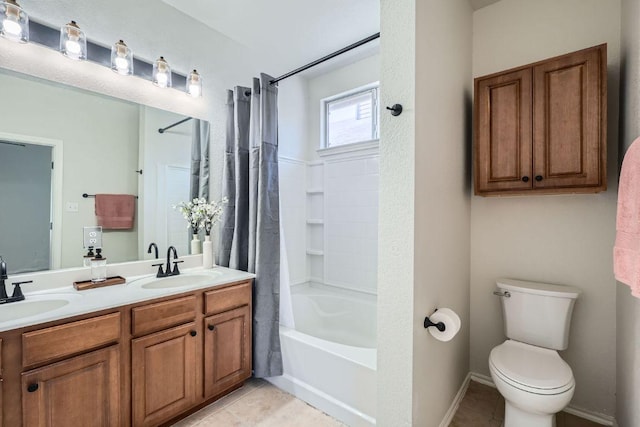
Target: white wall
(628, 307)
(293, 189)
(164, 155)
(351, 76)
(424, 207)
(293, 101)
(151, 28)
(299, 138)
(395, 318)
(351, 220)
(443, 123)
(100, 151)
(565, 239)
(292, 142)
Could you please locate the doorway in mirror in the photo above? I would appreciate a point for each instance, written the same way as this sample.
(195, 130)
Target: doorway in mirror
(25, 198)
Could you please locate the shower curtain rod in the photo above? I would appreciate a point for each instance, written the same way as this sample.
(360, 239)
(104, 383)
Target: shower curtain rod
(161, 130)
(326, 58)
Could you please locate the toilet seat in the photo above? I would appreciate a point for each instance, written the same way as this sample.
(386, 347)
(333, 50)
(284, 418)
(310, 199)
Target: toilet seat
(531, 369)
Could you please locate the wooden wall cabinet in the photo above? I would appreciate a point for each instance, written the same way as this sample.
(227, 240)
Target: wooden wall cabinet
(541, 128)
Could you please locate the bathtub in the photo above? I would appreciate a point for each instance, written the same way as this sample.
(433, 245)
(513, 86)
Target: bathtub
(330, 358)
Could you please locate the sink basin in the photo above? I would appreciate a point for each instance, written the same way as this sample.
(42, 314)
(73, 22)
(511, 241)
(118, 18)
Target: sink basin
(179, 281)
(33, 306)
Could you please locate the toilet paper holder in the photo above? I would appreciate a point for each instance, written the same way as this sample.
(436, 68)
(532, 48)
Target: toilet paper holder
(428, 323)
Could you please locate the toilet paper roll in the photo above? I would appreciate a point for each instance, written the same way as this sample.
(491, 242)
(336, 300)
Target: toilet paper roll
(451, 322)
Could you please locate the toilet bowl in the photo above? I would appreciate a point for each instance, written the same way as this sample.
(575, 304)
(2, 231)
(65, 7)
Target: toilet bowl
(535, 383)
(527, 369)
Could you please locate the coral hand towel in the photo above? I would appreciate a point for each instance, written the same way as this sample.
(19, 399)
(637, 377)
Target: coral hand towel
(115, 211)
(626, 251)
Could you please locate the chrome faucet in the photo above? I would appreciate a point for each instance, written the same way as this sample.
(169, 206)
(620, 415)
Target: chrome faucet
(17, 292)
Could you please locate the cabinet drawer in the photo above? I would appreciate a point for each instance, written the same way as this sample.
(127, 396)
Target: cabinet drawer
(71, 338)
(162, 315)
(224, 299)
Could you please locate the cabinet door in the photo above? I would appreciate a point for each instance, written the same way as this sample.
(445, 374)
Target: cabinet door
(163, 374)
(227, 350)
(82, 391)
(503, 132)
(569, 121)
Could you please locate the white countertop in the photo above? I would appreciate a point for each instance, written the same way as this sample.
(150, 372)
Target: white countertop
(92, 300)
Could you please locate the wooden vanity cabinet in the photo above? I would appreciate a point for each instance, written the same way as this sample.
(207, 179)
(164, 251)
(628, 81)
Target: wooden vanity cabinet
(541, 128)
(227, 350)
(66, 374)
(164, 367)
(145, 364)
(1, 383)
(164, 360)
(227, 338)
(183, 357)
(81, 391)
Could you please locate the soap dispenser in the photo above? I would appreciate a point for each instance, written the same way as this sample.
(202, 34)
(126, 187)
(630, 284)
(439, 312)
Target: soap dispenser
(98, 267)
(86, 260)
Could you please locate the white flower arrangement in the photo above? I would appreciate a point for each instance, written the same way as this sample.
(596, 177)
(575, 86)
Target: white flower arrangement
(200, 214)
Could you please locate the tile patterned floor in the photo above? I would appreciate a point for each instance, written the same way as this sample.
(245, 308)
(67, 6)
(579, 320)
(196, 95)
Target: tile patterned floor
(259, 403)
(483, 406)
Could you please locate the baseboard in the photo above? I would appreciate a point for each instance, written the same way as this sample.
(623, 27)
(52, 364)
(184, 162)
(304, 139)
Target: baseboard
(448, 417)
(322, 401)
(596, 417)
(482, 379)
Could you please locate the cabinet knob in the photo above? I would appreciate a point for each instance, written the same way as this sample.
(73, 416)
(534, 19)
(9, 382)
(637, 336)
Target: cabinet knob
(211, 327)
(525, 179)
(32, 387)
(538, 178)
(193, 333)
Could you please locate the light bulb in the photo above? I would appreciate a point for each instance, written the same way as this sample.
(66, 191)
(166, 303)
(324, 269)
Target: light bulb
(12, 28)
(122, 64)
(73, 47)
(195, 90)
(162, 79)
(161, 73)
(73, 43)
(194, 84)
(15, 22)
(121, 59)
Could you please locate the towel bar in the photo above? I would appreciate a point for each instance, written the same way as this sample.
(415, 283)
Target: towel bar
(85, 195)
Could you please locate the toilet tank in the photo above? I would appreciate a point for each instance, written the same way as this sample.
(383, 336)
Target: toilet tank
(537, 313)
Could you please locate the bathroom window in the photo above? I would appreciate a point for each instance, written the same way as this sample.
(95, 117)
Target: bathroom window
(350, 117)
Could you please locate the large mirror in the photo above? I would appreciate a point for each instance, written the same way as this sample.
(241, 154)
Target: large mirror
(58, 143)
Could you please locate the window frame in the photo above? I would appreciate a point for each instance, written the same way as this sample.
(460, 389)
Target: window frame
(373, 87)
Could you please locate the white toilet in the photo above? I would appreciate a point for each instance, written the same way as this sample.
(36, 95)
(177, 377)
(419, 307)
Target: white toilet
(527, 369)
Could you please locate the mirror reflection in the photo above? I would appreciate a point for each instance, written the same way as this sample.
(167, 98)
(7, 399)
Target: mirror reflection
(57, 143)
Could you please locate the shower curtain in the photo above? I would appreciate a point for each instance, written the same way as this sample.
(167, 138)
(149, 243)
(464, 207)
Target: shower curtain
(200, 159)
(250, 226)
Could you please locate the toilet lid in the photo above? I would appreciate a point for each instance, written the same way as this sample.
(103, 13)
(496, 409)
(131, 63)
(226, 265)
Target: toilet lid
(536, 369)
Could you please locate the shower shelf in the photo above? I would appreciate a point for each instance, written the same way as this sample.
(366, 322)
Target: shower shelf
(315, 222)
(316, 253)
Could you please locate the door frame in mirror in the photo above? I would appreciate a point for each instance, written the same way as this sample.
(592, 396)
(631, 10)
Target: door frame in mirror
(56, 189)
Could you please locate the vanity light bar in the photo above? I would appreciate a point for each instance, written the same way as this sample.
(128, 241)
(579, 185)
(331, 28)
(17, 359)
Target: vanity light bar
(47, 36)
